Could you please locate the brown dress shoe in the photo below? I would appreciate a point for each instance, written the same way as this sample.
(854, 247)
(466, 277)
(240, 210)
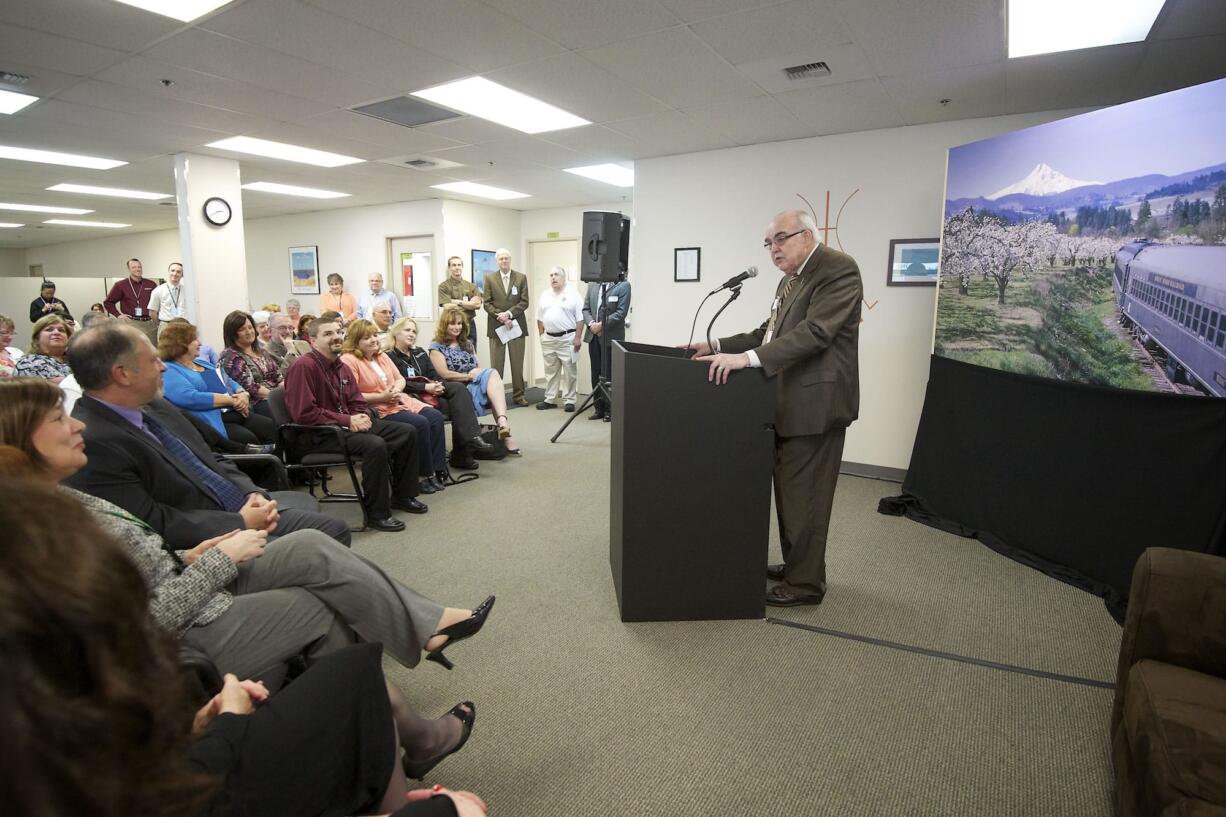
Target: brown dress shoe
(521, 401)
(781, 596)
(776, 572)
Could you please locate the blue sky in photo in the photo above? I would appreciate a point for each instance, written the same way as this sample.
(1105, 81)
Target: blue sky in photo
(1170, 133)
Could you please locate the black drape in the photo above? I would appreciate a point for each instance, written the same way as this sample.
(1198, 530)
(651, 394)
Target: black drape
(1072, 479)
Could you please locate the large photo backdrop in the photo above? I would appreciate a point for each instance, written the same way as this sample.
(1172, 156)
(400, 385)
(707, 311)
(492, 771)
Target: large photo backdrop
(1093, 249)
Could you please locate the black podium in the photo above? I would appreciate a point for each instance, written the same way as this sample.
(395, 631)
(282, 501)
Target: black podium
(689, 513)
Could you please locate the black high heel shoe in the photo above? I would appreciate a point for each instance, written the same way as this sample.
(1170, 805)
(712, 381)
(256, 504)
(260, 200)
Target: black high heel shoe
(460, 631)
(467, 717)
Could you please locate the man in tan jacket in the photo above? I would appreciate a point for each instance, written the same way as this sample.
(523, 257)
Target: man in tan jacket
(506, 300)
(809, 346)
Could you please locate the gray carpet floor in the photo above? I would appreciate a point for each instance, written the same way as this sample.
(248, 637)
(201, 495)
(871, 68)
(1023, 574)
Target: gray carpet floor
(580, 714)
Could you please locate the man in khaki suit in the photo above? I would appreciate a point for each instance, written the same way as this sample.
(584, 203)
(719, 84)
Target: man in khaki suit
(506, 300)
(808, 345)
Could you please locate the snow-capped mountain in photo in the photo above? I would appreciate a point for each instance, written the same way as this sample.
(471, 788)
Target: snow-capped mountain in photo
(1044, 180)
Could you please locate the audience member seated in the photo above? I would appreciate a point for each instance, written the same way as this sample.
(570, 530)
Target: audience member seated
(146, 458)
(382, 388)
(262, 318)
(455, 359)
(293, 308)
(204, 391)
(113, 685)
(99, 308)
(246, 361)
(283, 344)
(45, 356)
(303, 323)
(381, 315)
(421, 379)
(320, 391)
(337, 300)
(8, 354)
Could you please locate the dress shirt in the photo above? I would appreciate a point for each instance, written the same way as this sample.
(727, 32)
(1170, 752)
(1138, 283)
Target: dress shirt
(343, 303)
(320, 392)
(126, 296)
(754, 362)
(168, 302)
(367, 304)
(560, 311)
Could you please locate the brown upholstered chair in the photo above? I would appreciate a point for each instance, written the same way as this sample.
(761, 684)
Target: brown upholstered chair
(1168, 725)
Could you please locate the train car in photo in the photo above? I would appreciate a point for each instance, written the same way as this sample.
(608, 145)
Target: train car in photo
(1174, 296)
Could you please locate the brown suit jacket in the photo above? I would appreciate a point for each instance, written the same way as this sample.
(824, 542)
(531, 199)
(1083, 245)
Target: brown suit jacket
(813, 354)
(495, 299)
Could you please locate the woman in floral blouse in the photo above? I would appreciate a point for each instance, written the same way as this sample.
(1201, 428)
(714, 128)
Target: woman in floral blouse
(247, 362)
(45, 357)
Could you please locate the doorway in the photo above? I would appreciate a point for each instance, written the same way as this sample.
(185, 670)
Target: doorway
(542, 257)
(410, 274)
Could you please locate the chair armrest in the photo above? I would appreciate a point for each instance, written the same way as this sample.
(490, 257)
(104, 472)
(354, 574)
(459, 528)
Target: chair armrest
(1176, 614)
(286, 441)
(271, 460)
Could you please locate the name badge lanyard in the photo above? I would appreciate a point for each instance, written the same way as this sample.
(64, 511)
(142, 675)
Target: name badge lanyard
(137, 310)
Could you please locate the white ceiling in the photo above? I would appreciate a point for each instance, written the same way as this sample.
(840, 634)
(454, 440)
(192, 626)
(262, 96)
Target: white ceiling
(656, 77)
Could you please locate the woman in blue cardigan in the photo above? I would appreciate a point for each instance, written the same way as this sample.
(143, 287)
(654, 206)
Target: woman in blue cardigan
(204, 391)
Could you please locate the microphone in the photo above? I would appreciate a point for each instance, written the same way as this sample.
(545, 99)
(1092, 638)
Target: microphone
(737, 280)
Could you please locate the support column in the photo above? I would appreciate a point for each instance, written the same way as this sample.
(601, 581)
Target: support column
(214, 257)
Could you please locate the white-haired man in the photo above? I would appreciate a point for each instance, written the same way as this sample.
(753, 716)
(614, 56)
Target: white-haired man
(559, 321)
(506, 300)
(377, 295)
(808, 345)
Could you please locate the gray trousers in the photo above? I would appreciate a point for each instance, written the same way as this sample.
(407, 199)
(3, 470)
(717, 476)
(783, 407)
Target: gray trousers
(309, 595)
(300, 511)
(806, 472)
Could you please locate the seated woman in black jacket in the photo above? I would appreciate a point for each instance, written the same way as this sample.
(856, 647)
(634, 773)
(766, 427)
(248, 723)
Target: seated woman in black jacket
(454, 399)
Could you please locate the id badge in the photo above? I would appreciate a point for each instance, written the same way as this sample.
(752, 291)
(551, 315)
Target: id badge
(514, 290)
(612, 299)
(138, 312)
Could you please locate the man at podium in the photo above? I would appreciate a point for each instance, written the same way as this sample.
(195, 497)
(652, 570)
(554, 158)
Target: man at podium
(808, 345)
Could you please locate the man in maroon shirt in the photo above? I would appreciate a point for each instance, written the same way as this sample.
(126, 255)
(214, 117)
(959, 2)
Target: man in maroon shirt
(128, 300)
(321, 391)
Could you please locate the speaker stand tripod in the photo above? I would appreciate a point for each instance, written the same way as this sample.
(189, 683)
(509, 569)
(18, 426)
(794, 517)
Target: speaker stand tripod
(604, 384)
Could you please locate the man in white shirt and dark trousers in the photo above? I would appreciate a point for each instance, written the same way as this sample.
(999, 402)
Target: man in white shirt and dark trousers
(559, 320)
(167, 301)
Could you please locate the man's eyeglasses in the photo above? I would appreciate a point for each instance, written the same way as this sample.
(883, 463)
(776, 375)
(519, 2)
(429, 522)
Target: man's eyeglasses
(777, 241)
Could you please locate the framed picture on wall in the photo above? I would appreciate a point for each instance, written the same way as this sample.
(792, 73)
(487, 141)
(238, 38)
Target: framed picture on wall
(687, 264)
(913, 262)
(304, 270)
(483, 262)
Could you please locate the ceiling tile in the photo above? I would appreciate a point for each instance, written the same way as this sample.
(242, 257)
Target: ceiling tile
(1072, 79)
(849, 106)
(669, 133)
(1190, 18)
(1171, 64)
(152, 108)
(694, 10)
(597, 141)
(902, 36)
(49, 51)
(751, 121)
(805, 26)
(305, 31)
(465, 31)
(108, 24)
(43, 81)
(396, 138)
(676, 67)
(587, 25)
(576, 85)
(467, 129)
(976, 91)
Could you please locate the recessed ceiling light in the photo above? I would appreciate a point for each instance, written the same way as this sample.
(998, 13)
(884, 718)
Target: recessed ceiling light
(291, 190)
(119, 192)
(12, 102)
(71, 223)
(607, 173)
(280, 150)
(44, 208)
(499, 104)
(482, 190)
(50, 157)
(185, 10)
(7, 225)
(1048, 26)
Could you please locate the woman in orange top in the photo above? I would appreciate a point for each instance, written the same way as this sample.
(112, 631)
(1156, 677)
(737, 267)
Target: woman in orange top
(383, 388)
(338, 300)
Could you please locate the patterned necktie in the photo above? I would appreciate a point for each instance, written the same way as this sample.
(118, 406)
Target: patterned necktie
(770, 327)
(227, 495)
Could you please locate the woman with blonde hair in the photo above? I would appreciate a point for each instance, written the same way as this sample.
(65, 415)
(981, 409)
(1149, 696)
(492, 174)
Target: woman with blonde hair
(455, 358)
(383, 387)
(45, 357)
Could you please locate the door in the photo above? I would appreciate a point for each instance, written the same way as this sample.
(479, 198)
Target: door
(410, 274)
(542, 257)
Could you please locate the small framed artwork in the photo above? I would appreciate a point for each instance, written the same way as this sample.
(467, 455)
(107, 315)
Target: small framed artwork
(483, 262)
(304, 270)
(687, 264)
(913, 262)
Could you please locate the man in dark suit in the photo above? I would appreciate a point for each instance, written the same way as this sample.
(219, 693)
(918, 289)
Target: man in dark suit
(147, 459)
(506, 300)
(605, 307)
(809, 346)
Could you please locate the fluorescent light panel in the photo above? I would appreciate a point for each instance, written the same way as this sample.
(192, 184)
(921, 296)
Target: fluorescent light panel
(8, 225)
(280, 150)
(501, 105)
(12, 102)
(50, 157)
(118, 192)
(1049, 26)
(68, 222)
(482, 190)
(608, 173)
(185, 10)
(291, 190)
(44, 208)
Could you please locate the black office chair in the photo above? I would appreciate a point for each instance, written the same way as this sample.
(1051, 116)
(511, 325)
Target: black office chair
(293, 443)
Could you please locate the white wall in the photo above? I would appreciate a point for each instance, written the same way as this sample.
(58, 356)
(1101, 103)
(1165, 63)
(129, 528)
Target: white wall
(467, 227)
(13, 264)
(723, 200)
(108, 257)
